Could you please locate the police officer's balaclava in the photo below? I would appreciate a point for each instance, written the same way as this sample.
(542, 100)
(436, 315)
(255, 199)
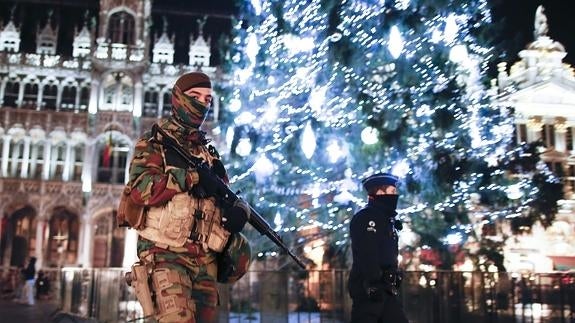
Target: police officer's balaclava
(375, 181)
(185, 109)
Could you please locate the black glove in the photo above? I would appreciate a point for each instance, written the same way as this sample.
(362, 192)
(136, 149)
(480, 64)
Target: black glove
(174, 159)
(219, 169)
(209, 183)
(235, 217)
(398, 224)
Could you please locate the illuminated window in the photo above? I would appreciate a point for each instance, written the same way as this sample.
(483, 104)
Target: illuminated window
(121, 28)
(112, 162)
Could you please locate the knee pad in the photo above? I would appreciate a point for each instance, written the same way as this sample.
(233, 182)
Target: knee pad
(172, 296)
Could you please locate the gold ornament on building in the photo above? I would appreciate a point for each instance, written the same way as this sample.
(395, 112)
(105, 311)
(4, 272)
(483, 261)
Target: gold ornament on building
(560, 125)
(535, 123)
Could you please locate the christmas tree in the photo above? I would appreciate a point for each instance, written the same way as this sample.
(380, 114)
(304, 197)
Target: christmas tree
(325, 92)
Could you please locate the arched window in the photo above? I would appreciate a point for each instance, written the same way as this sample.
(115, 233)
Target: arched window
(36, 162)
(78, 162)
(167, 109)
(109, 93)
(118, 92)
(108, 241)
(22, 230)
(121, 28)
(49, 96)
(30, 96)
(84, 98)
(68, 97)
(63, 241)
(16, 157)
(102, 228)
(151, 103)
(113, 160)
(57, 161)
(11, 93)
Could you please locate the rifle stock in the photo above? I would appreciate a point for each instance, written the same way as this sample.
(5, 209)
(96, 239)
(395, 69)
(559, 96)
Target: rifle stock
(229, 197)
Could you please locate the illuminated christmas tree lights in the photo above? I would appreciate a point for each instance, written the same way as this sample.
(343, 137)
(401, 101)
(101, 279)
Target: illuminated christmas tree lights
(323, 93)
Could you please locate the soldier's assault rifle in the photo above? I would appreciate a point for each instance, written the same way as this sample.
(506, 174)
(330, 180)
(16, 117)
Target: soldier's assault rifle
(224, 192)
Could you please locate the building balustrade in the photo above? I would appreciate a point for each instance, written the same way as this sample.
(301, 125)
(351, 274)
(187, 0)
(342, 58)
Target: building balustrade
(14, 60)
(16, 185)
(119, 52)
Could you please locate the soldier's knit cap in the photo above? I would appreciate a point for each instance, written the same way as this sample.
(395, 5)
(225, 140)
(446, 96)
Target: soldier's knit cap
(193, 79)
(378, 180)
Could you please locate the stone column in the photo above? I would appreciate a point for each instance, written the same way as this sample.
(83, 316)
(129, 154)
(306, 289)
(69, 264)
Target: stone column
(14, 159)
(94, 96)
(59, 95)
(53, 160)
(130, 244)
(39, 242)
(85, 242)
(47, 162)
(560, 135)
(40, 96)
(67, 162)
(6, 155)
(534, 127)
(138, 94)
(77, 100)
(3, 90)
(25, 158)
(33, 159)
(161, 102)
(20, 92)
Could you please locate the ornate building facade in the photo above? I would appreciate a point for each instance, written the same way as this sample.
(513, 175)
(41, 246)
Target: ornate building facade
(67, 129)
(540, 88)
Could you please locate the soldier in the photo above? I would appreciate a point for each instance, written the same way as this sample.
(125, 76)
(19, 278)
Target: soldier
(183, 229)
(374, 279)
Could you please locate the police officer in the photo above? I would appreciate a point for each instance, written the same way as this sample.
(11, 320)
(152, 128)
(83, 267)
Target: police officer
(374, 279)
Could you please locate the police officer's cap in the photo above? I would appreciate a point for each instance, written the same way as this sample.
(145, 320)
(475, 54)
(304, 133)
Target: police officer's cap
(378, 180)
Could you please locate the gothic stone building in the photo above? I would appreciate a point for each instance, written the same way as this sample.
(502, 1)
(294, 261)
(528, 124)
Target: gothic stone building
(67, 128)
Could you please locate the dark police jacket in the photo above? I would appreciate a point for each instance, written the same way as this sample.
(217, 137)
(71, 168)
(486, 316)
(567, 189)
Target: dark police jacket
(374, 247)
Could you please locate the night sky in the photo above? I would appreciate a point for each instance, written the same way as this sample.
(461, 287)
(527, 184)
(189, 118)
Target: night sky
(519, 16)
(182, 15)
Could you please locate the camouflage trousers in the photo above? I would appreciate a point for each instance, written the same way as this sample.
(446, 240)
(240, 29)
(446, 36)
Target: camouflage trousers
(183, 282)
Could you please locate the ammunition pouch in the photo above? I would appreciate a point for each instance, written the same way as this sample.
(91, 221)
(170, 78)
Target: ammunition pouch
(139, 279)
(208, 229)
(186, 218)
(129, 213)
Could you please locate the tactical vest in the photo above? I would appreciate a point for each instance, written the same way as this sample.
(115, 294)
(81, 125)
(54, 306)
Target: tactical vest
(186, 218)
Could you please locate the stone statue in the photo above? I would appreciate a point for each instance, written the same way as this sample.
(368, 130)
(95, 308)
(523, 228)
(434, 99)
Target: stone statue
(541, 26)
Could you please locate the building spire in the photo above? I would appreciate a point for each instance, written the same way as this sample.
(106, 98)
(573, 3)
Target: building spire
(165, 20)
(201, 24)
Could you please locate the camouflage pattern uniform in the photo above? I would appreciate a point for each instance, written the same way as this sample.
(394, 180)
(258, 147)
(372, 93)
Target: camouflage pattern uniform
(189, 272)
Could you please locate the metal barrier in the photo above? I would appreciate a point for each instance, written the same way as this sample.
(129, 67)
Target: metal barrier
(321, 296)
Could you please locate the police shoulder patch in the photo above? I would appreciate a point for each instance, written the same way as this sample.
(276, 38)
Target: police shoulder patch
(371, 226)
